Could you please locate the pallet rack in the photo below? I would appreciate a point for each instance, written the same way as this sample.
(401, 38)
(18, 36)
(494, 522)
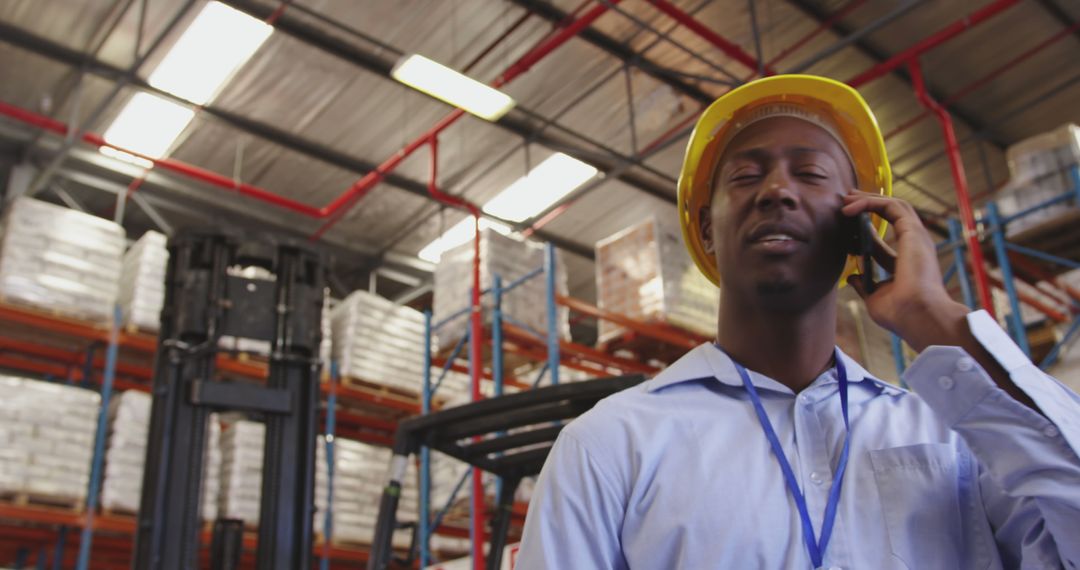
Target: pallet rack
(1018, 259)
(546, 348)
(68, 350)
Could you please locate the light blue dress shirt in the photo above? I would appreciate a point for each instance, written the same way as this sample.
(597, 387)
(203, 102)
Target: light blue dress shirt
(676, 473)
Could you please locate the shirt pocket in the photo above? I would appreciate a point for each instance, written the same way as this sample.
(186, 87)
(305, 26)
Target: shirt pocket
(920, 501)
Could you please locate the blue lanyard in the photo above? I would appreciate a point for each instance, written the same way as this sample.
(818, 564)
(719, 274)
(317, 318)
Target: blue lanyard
(817, 549)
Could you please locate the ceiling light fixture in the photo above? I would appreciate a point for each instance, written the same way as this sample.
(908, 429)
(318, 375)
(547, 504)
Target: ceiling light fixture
(451, 87)
(212, 48)
(218, 41)
(550, 181)
(458, 234)
(148, 125)
(544, 185)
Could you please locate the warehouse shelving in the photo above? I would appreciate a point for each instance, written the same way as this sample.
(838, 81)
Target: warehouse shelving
(1018, 259)
(545, 348)
(71, 350)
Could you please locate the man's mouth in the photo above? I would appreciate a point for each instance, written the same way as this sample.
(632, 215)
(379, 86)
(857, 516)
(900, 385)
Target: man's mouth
(776, 238)
(770, 238)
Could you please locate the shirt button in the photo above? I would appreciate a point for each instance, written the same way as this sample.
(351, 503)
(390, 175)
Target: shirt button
(965, 364)
(816, 478)
(946, 383)
(1051, 431)
(804, 399)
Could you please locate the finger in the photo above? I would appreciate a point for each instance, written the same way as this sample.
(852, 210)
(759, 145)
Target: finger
(855, 282)
(892, 209)
(884, 255)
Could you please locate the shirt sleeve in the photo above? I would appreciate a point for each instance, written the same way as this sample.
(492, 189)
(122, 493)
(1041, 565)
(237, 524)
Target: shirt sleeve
(575, 515)
(1030, 484)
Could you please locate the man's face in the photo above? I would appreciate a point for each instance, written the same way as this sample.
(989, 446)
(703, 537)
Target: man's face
(774, 223)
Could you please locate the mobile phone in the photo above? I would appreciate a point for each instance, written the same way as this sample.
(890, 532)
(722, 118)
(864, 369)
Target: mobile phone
(865, 237)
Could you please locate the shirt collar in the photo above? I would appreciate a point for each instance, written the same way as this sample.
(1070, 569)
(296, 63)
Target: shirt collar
(709, 362)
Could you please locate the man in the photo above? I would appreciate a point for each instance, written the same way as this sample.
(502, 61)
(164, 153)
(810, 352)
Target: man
(773, 449)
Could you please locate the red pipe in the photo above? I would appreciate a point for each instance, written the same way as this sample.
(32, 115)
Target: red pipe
(540, 51)
(963, 200)
(828, 23)
(728, 47)
(176, 166)
(971, 87)
(944, 34)
(476, 343)
(336, 207)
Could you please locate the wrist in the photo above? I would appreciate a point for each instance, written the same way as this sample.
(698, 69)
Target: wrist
(934, 322)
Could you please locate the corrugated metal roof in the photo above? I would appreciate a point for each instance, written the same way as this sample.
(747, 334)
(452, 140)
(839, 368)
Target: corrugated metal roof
(302, 90)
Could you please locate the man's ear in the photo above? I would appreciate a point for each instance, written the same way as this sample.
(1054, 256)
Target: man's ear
(706, 229)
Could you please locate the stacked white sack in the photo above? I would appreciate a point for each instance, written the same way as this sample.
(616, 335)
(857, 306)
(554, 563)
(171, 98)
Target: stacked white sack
(60, 259)
(125, 455)
(1041, 168)
(360, 472)
(644, 272)
(46, 438)
(142, 282)
(378, 341)
(511, 259)
(241, 470)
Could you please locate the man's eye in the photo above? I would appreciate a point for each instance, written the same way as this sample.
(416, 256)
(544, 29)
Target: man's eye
(811, 174)
(743, 178)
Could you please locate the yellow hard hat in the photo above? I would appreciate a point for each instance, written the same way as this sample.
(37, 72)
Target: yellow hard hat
(844, 114)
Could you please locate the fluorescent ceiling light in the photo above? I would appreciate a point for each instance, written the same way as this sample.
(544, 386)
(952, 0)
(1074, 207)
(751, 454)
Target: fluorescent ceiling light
(452, 87)
(148, 125)
(215, 45)
(210, 50)
(544, 185)
(458, 234)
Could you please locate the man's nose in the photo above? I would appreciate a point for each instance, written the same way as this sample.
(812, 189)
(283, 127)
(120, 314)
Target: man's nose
(778, 190)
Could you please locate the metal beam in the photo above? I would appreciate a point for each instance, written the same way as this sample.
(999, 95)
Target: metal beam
(519, 124)
(123, 80)
(161, 192)
(66, 197)
(1059, 14)
(152, 213)
(615, 48)
(819, 14)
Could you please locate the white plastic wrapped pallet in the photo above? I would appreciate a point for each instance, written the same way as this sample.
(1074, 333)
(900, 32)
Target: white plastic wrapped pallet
(1040, 168)
(378, 341)
(46, 438)
(142, 281)
(59, 259)
(125, 455)
(509, 257)
(360, 472)
(241, 470)
(644, 272)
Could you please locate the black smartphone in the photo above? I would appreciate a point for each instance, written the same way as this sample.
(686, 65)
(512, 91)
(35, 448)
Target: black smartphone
(865, 248)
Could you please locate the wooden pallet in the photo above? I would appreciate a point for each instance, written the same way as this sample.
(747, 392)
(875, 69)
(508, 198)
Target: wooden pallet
(383, 390)
(644, 348)
(511, 361)
(253, 358)
(52, 313)
(136, 330)
(24, 499)
(119, 513)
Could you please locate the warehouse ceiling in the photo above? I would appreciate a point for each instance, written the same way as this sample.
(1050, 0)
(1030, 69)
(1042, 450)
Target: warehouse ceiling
(315, 110)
